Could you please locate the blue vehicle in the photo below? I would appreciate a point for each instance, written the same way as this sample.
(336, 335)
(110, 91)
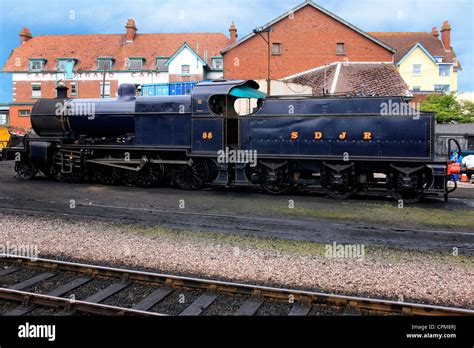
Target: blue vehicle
(228, 132)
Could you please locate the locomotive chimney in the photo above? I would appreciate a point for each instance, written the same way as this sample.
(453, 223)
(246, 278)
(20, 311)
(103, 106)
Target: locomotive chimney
(25, 35)
(446, 35)
(233, 33)
(435, 32)
(61, 92)
(131, 30)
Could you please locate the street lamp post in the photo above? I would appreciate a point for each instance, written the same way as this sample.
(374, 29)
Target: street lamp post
(267, 30)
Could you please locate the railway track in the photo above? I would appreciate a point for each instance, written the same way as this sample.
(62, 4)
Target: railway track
(68, 288)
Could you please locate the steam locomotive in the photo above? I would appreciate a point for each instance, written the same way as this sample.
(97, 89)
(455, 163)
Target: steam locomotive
(227, 132)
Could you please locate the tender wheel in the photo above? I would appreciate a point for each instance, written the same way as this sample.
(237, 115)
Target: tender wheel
(407, 184)
(339, 181)
(107, 175)
(150, 176)
(275, 181)
(192, 176)
(25, 169)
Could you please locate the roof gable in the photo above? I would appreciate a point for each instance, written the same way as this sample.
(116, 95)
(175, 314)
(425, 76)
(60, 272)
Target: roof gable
(420, 46)
(185, 46)
(404, 41)
(321, 9)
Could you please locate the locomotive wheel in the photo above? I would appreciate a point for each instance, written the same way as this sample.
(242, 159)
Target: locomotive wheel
(25, 169)
(278, 185)
(192, 176)
(150, 176)
(107, 175)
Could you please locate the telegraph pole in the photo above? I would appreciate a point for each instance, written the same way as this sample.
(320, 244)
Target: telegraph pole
(268, 30)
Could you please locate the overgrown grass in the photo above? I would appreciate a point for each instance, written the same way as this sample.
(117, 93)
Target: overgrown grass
(216, 238)
(389, 215)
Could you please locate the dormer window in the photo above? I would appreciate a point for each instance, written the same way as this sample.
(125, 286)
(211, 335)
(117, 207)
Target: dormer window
(104, 64)
(217, 63)
(65, 64)
(36, 64)
(135, 63)
(161, 64)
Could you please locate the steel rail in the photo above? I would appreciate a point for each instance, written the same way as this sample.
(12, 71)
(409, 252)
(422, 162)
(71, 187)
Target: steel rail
(31, 298)
(262, 292)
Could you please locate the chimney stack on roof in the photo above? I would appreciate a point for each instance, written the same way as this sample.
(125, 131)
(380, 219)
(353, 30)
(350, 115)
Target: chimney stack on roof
(446, 35)
(435, 32)
(25, 35)
(233, 33)
(131, 30)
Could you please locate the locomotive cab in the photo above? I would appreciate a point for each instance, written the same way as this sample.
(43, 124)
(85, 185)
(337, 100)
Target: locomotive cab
(229, 100)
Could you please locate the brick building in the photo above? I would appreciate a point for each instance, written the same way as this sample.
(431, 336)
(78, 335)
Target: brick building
(94, 65)
(304, 38)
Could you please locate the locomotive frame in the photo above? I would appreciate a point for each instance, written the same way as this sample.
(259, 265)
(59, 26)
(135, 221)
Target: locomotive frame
(144, 141)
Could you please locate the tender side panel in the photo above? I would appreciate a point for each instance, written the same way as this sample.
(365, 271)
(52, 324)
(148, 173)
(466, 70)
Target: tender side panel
(359, 136)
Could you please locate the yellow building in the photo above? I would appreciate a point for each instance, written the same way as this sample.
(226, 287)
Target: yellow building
(426, 61)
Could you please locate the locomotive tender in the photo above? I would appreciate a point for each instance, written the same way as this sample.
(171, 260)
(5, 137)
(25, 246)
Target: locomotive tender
(343, 144)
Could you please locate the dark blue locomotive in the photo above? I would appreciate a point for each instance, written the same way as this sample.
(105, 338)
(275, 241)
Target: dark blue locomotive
(228, 132)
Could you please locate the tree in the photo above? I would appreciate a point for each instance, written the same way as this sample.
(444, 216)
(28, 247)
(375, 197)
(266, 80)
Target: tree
(448, 108)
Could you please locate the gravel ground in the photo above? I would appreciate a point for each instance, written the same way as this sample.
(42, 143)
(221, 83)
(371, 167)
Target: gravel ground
(225, 305)
(130, 296)
(430, 277)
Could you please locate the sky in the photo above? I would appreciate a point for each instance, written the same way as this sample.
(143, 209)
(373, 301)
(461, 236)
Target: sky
(155, 16)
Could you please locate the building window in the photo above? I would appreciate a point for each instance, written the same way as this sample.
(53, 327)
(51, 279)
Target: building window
(36, 90)
(341, 48)
(36, 65)
(185, 70)
(444, 70)
(135, 63)
(442, 88)
(470, 143)
(416, 89)
(104, 64)
(24, 113)
(416, 69)
(105, 90)
(62, 65)
(161, 64)
(276, 49)
(73, 89)
(217, 63)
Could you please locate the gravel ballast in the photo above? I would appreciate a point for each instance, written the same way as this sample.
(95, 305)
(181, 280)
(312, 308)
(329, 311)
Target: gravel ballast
(430, 277)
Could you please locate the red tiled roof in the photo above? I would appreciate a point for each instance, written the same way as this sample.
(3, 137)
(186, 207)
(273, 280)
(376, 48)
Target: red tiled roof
(404, 41)
(87, 48)
(354, 78)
